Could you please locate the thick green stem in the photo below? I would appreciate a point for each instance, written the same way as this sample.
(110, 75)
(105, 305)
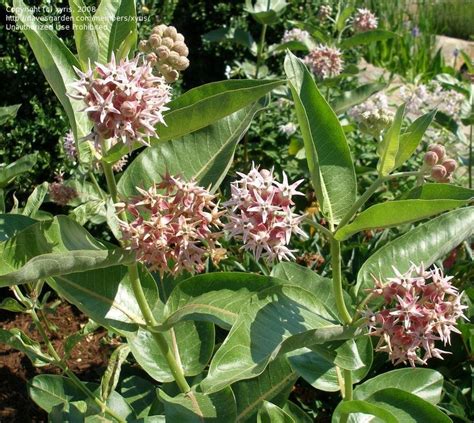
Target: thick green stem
(347, 385)
(175, 368)
(319, 227)
(260, 46)
(337, 281)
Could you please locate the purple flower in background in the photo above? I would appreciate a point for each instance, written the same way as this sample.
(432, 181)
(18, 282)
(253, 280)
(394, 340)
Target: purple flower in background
(415, 32)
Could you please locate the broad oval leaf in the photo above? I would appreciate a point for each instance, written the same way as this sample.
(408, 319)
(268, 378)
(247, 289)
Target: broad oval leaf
(367, 38)
(11, 224)
(441, 192)
(277, 320)
(8, 112)
(394, 213)
(274, 384)
(329, 159)
(204, 155)
(18, 340)
(12, 170)
(265, 12)
(192, 344)
(424, 383)
(196, 407)
(271, 413)
(424, 244)
(85, 33)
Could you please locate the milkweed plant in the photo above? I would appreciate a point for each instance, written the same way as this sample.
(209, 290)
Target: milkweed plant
(171, 276)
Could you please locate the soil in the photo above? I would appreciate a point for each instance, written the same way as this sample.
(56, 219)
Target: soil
(87, 361)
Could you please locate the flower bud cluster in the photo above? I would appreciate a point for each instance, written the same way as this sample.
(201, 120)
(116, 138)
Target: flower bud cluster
(166, 51)
(420, 308)
(261, 215)
(325, 61)
(374, 115)
(324, 11)
(288, 129)
(364, 20)
(295, 34)
(69, 145)
(437, 164)
(124, 100)
(173, 226)
(61, 194)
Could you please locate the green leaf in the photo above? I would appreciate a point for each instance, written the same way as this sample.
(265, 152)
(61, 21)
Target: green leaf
(84, 33)
(394, 213)
(274, 384)
(271, 413)
(11, 304)
(204, 155)
(202, 106)
(265, 12)
(409, 140)
(35, 200)
(50, 391)
(388, 148)
(111, 376)
(18, 340)
(329, 159)
(8, 112)
(11, 224)
(213, 297)
(367, 38)
(358, 411)
(56, 62)
(405, 407)
(12, 170)
(424, 383)
(139, 393)
(195, 407)
(424, 244)
(276, 321)
(317, 365)
(107, 297)
(354, 97)
(441, 192)
(192, 344)
(114, 20)
(343, 16)
(296, 412)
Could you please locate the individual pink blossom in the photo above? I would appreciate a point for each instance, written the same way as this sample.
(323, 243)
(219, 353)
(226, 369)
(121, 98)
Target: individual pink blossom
(60, 193)
(325, 61)
(124, 100)
(69, 145)
(261, 215)
(420, 307)
(364, 20)
(174, 226)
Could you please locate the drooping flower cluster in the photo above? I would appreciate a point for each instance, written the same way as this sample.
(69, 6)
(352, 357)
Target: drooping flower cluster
(174, 226)
(124, 100)
(422, 98)
(420, 307)
(288, 129)
(325, 61)
(437, 165)
(295, 34)
(69, 145)
(166, 51)
(261, 214)
(324, 11)
(374, 115)
(60, 193)
(364, 20)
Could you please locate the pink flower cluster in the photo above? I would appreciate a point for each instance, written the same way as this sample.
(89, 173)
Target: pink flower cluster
(261, 215)
(325, 61)
(173, 226)
(324, 11)
(420, 308)
(364, 20)
(124, 100)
